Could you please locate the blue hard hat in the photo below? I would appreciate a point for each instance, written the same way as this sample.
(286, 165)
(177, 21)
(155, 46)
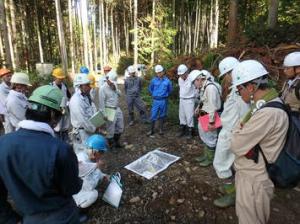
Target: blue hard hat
(96, 142)
(84, 69)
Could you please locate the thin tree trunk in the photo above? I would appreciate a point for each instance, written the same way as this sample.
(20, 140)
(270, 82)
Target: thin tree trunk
(152, 33)
(233, 22)
(126, 33)
(85, 31)
(112, 33)
(24, 37)
(104, 36)
(10, 36)
(61, 36)
(5, 35)
(1, 51)
(14, 32)
(95, 40)
(215, 25)
(71, 16)
(273, 13)
(38, 33)
(135, 33)
(100, 35)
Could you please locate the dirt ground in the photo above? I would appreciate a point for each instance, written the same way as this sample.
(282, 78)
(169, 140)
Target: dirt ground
(183, 193)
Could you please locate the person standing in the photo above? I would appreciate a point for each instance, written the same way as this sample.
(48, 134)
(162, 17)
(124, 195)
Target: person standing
(291, 90)
(5, 76)
(133, 88)
(160, 89)
(109, 98)
(265, 127)
(37, 170)
(16, 102)
(210, 104)
(63, 126)
(187, 94)
(81, 110)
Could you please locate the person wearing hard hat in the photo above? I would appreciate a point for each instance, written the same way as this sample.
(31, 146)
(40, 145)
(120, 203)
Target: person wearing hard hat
(234, 110)
(107, 69)
(160, 88)
(210, 103)
(81, 110)
(291, 90)
(5, 76)
(16, 102)
(90, 163)
(109, 95)
(84, 70)
(187, 93)
(133, 88)
(37, 170)
(264, 127)
(62, 128)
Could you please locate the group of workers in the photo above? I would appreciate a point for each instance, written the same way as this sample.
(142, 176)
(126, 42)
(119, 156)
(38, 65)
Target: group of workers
(48, 179)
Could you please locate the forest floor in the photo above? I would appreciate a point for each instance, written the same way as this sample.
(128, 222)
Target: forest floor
(183, 193)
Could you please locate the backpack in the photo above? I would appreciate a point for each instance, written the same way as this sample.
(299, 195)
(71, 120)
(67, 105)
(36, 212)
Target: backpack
(285, 171)
(220, 94)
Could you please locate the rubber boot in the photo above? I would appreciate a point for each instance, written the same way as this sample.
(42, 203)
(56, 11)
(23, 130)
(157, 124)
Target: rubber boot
(144, 118)
(189, 133)
(117, 143)
(131, 119)
(161, 126)
(225, 201)
(227, 188)
(110, 142)
(151, 132)
(181, 131)
(203, 156)
(209, 158)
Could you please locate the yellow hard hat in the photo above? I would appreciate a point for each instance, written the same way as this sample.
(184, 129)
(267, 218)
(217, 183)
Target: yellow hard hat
(92, 79)
(58, 73)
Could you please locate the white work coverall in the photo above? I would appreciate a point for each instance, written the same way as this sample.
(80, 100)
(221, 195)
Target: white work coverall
(110, 98)
(234, 110)
(81, 110)
(64, 123)
(211, 99)
(16, 106)
(254, 189)
(187, 93)
(88, 194)
(4, 90)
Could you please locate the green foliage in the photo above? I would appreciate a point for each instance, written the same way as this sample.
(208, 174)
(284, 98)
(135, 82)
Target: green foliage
(209, 60)
(124, 62)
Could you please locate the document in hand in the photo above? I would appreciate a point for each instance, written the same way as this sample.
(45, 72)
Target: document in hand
(204, 121)
(110, 113)
(97, 119)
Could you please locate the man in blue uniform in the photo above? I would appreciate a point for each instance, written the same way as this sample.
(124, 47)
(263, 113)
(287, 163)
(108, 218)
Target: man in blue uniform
(39, 171)
(160, 88)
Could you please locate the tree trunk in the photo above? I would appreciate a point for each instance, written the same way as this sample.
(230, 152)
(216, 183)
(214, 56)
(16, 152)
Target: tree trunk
(233, 22)
(85, 31)
(152, 34)
(100, 35)
(9, 31)
(71, 35)
(215, 25)
(95, 40)
(113, 33)
(135, 33)
(126, 33)
(61, 36)
(38, 33)
(1, 52)
(104, 36)
(273, 13)
(14, 32)
(5, 36)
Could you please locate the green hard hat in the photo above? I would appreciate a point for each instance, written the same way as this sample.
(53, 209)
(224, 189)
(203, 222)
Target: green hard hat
(47, 95)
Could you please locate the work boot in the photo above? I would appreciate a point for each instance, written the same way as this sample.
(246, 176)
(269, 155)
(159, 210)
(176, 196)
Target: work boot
(203, 156)
(117, 143)
(225, 201)
(181, 131)
(131, 119)
(161, 126)
(151, 132)
(131, 123)
(189, 133)
(110, 142)
(227, 188)
(209, 158)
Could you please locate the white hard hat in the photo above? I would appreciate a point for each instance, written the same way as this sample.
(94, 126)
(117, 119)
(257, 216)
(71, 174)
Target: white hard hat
(206, 74)
(131, 69)
(158, 68)
(227, 64)
(182, 69)
(292, 59)
(194, 75)
(247, 71)
(81, 79)
(20, 78)
(112, 76)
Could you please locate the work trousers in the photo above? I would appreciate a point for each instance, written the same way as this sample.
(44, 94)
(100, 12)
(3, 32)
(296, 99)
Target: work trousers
(186, 112)
(116, 126)
(138, 103)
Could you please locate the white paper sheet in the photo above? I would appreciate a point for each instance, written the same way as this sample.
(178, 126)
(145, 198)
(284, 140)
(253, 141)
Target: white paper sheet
(152, 163)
